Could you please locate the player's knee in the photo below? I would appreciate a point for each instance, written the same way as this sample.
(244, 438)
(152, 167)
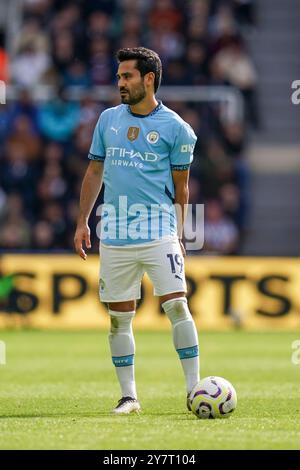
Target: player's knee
(177, 309)
(120, 321)
(128, 306)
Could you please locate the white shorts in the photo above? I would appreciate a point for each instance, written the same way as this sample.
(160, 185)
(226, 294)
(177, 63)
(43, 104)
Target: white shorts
(122, 269)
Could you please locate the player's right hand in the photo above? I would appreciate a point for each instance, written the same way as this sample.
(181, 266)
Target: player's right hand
(82, 234)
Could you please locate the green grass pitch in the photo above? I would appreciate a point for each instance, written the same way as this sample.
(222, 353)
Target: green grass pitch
(57, 390)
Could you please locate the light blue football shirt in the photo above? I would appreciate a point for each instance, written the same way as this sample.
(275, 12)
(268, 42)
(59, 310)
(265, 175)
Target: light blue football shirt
(139, 153)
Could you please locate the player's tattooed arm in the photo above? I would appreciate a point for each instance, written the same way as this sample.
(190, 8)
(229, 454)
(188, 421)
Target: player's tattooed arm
(180, 179)
(90, 189)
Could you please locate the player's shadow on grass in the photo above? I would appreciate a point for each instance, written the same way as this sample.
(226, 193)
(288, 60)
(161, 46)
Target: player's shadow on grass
(98, 414)
(55, 415)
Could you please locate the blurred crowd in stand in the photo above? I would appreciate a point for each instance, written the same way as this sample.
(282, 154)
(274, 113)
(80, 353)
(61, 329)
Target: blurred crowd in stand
(44, 144)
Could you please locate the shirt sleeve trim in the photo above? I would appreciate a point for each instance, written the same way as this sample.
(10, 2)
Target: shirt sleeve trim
(99, 158)
(180, 167)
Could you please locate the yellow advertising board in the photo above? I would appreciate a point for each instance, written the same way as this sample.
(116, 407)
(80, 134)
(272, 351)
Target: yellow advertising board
(61, 291)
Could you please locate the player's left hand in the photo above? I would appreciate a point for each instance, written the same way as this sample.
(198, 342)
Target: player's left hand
(182, 248)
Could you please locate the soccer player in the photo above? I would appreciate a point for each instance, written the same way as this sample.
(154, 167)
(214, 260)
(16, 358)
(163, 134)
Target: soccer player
(142, 151)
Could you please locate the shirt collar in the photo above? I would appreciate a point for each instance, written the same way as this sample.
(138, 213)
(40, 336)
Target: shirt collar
(154, 111)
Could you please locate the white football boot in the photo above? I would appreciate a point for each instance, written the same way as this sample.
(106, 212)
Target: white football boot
(188, 401)
(127, 405)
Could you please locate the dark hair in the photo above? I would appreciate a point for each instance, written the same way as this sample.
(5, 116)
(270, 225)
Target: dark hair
(146, 61)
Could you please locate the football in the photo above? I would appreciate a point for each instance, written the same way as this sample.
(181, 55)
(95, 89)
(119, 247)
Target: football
(213, 397)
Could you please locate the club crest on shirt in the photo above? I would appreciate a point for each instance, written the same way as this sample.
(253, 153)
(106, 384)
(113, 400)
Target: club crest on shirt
(152, 137)
(133, 133)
